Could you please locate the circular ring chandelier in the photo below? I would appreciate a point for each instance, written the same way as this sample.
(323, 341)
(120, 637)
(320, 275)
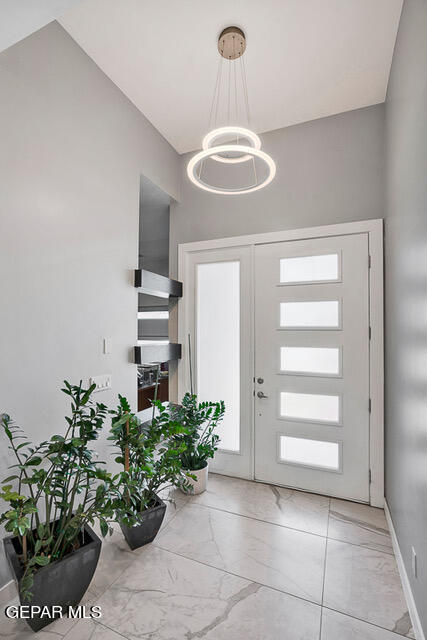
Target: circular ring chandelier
(240, 148)
(233, 150)
(213, 135)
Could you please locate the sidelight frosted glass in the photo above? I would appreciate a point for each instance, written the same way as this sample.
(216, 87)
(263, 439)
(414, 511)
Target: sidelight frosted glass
(312, 453)
(310, 360)
(218, 343)
(309, 269)
(318, 313)
(310, 406)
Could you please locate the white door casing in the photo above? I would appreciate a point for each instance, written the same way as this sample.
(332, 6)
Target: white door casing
(244, 248)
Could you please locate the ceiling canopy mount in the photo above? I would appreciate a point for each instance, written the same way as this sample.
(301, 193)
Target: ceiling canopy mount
(231, 43)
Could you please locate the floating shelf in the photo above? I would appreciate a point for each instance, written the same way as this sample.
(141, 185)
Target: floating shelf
(154, 284)
(153, 353)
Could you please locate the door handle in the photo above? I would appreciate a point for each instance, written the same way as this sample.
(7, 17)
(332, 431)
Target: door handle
(261, 394)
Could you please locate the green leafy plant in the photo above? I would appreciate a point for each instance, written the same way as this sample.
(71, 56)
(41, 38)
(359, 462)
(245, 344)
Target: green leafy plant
(199, 439)
(65, 487)
(151, 459)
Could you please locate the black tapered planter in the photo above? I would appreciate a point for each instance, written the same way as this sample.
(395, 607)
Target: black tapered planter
(150, 523)
(63, 582)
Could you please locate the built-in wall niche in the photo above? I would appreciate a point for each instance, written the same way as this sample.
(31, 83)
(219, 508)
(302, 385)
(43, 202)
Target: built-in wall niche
(156, 293)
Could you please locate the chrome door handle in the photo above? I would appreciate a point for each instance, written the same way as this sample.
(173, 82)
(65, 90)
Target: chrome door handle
(261, 394)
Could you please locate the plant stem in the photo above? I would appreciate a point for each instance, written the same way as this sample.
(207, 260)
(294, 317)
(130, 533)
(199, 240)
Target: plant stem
(24, 548)
(18, 457)
(127, 447)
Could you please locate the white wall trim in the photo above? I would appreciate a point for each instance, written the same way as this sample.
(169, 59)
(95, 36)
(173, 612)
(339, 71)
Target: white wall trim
(374, 229)
(343, 228)
(413, 612)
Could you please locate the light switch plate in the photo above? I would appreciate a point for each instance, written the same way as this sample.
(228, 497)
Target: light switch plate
(108, 345)
(102, 382)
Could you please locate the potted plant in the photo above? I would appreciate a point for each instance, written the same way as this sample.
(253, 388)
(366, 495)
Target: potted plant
(199, 439)
(59, 491)
(151, 458)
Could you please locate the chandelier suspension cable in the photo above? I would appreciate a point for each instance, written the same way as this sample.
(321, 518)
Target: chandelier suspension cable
(245, 90)
(229, 93)
(213, 113)
(248, 115)
(235, 100)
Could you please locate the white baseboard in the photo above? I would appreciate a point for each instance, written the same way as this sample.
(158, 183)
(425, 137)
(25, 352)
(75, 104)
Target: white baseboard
(415, 618)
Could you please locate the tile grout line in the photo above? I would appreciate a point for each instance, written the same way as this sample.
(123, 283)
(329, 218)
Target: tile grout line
(236, 575)
(284, 526)
(105, 626)
(287, 593)
(177, 509)
(372, 624)
(187, 503)
(324, 569)
(102, 592)
(242, 515)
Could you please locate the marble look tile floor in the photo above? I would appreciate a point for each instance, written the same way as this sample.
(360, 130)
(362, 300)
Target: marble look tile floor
(246, 561)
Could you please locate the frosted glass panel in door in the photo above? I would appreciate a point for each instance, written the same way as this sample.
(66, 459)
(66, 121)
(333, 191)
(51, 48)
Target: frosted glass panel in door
(218, 343)
(317, 314)
(323, 268)
(310, 360)
(312, 453)
(310, 406)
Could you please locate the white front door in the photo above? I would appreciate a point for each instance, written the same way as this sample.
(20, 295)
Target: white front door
(312, 365)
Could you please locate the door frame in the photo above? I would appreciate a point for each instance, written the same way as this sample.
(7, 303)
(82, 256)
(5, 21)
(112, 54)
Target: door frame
(374, 230)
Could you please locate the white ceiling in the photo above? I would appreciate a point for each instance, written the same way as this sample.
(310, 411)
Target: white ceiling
(20, 18)
(305, 59)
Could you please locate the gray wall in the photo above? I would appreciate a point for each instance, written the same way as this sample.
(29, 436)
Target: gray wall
(72, 149)
(329, 170)
(406, 294)
(154, 206)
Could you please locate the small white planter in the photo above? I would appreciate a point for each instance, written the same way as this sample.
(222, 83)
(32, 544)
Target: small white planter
(199, 485)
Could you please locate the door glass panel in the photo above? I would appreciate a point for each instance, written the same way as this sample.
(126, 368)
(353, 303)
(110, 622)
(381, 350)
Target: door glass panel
(310, 406)
(319, 313)
(218, 344)
(313, 453)
(314, 360)
(309, 269)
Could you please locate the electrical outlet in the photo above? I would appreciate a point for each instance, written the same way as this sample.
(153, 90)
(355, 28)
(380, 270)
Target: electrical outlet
(414, 562)
(102, 382)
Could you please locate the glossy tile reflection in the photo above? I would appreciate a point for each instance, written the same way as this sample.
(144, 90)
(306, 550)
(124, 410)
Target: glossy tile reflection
(168, 597)
(278, 557)
(289, 508)
(245, 561)
(365, 584)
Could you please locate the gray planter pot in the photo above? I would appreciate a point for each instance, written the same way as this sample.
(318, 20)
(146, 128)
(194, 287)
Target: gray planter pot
(63, 582)
(146, 531)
